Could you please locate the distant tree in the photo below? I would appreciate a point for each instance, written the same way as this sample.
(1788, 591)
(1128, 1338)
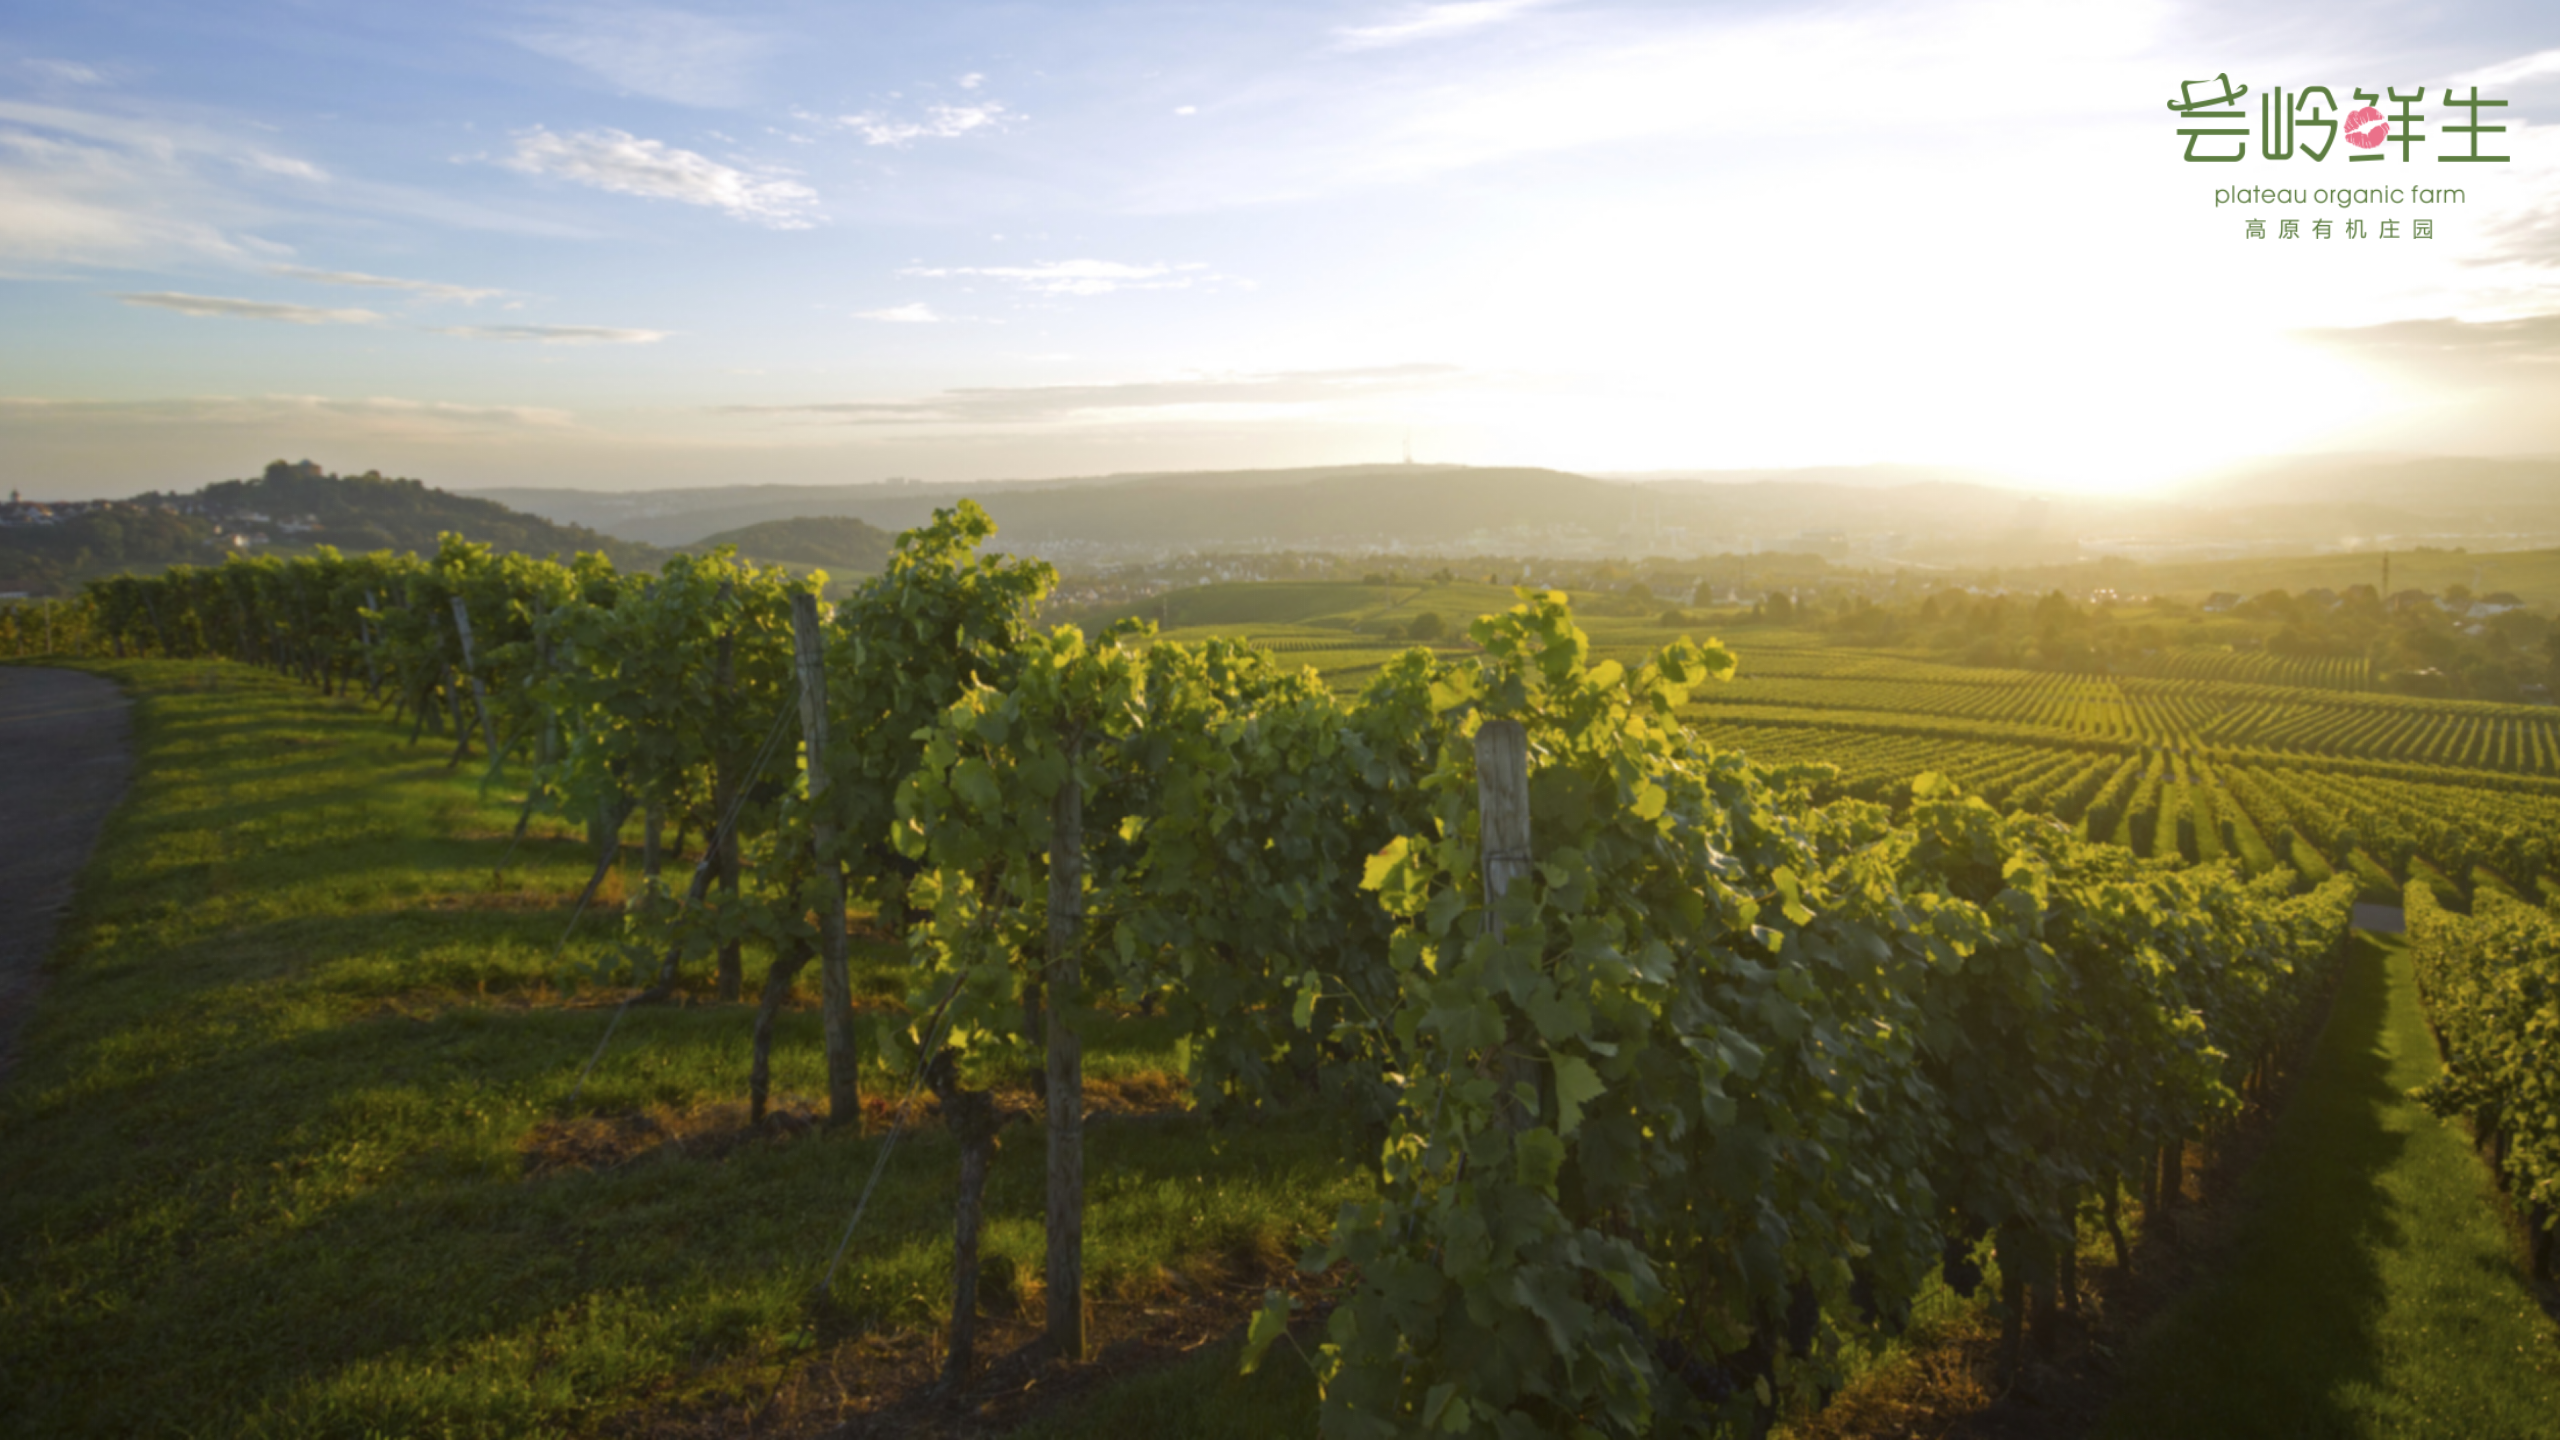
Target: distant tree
(1425, 626)
(1778, 607)
(1672, 618)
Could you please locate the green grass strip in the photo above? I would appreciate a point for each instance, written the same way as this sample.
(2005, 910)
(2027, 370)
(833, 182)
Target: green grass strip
(2375, 1288)
(262, 1164)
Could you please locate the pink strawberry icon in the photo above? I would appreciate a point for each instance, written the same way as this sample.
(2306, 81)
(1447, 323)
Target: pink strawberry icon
(2366, 129)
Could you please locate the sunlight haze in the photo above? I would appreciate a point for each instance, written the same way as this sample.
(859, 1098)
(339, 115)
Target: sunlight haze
(642, 246)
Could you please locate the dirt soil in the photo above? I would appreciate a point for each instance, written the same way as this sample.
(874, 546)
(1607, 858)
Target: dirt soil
(65, 755)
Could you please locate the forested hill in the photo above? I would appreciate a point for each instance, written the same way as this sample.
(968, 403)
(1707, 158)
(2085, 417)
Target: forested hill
(359, 513)
(836, 543)
(48, 548)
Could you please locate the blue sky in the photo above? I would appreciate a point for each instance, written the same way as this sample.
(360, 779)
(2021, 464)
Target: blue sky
(638, 246)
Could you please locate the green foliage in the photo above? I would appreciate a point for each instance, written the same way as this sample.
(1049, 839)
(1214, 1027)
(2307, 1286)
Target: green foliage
(2492, 985)
(49, 559)
(1723, 1062)
(1716, 1060)
(943, 622)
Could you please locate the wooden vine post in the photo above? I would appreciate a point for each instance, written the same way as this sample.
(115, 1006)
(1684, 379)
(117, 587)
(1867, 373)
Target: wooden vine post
(729, 971)
(1502, 832)
(835, 987)
(471, 668)
(1065, 1067)
(1502, 809)
(972, 1119)
(372, 667)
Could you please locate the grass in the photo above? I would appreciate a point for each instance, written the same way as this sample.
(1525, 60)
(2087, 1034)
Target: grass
(1203, 1398)
(2375, 1289)
(267, 1144)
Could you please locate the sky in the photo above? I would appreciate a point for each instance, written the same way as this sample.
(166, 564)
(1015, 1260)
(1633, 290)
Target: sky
(634, 246)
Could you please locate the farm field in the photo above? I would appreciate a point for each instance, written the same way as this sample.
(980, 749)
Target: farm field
(2207, 754)
(343, 997)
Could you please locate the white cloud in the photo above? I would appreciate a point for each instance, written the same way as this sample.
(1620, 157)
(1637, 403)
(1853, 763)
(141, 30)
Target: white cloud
(67, 200)
(68, 70)
(665, 54)
(224, 307)
(916, 314)
(1213, 396)
(554, 334)
(1433, 22)
(424, 289)
(940, 122)
(1186, 109)
(375, 413)
(1077, 277)
(625, 164)
(2511, 72)
(283, 165)
(972, 80)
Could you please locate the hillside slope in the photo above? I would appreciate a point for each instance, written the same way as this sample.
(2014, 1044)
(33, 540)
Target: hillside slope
(835, 543)
(358, 513)
(49, 549)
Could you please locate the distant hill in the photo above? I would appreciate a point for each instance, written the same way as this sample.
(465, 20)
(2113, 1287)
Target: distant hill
(1514, 510)
(359, 513)
(836, 543)
(289, 509)
(51, 557)
(1861, 515)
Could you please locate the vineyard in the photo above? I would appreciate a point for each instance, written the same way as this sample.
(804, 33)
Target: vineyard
(2456, 794)
(1705, 1020)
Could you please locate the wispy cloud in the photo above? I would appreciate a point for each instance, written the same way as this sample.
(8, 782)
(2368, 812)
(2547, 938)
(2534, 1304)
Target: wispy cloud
(625, 164)
(1433, 22)
(1034, 404)
(554, 334)
(2514, 72)
(283, 165)
(377, 412)
(66, 198)
(940, 122)
(424, 289)
(70, 71)
(1076, 277)
(224, 307)
(664, 54)
(2529, 346)
(228, 308)
(916, 314)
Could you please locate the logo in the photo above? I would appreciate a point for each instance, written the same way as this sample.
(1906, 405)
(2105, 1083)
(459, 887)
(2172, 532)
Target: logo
(2308, 123)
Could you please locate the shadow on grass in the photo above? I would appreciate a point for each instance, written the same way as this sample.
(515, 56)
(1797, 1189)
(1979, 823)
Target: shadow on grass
(2288, 1329)
(242, 1191)
(2374, 1289)
(354, 1254)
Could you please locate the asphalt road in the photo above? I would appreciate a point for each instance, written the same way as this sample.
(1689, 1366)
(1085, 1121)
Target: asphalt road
(64, 760)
